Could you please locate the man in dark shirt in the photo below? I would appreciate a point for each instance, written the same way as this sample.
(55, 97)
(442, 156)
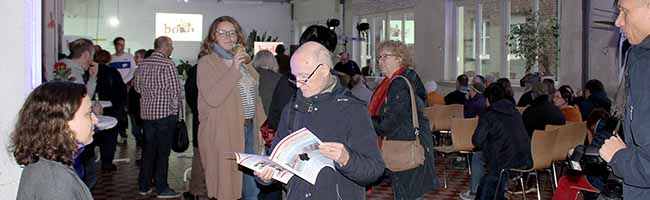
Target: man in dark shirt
(283, 60)
(347, 66)
(458, 96)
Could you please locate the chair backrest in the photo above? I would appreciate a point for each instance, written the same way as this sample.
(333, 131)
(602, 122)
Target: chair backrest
(568, 136)
(541, 143)
(578, 132)
(462, 131)
(443, 115)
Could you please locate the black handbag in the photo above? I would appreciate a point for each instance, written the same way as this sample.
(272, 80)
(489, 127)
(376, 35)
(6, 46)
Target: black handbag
(181, 141)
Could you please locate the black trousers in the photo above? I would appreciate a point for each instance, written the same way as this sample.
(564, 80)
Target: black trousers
(155, 152)
(107, 142)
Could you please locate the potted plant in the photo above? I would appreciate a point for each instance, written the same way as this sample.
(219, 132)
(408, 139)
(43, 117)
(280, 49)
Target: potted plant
(535, 41)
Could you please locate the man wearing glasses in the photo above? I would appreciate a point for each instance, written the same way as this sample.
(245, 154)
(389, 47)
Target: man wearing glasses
(339, 119)
(630, 160)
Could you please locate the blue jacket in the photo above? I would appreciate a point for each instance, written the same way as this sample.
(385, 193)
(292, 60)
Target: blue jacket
(633, 162)
(335, 116)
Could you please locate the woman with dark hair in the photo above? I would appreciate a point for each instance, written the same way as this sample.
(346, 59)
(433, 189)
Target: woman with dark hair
(53, 123)
(505, 83)
(230, 110)
(594, 97)
(561, 99)
(501, 137)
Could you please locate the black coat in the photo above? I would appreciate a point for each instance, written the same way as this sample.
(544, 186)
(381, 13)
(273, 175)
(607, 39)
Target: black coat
(323, 115)
(502, 137)
(110, 87)
(541, 113)
(395, 122)
(526, 99)
(455, 97)
(282, 94)
(191, 97)
(268, 81)
(595, 100)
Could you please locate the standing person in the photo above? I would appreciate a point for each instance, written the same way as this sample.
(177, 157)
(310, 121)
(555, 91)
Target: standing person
(267, 67)
(197, 187)
(629, 159)
(79, 62)
(282, 59)
(53, 123)
(347, 66)
(110, 87)
(230, 111)
(134, 106)
(390, 109)
(349, 141)
(501, 137)
(125, 64)
(158, 83)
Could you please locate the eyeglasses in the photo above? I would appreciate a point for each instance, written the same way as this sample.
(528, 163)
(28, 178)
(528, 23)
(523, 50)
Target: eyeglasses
(226, 34)
(304, 81)
(384, 56)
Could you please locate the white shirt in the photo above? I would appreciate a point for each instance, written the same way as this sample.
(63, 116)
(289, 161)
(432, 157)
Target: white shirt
(125, 64)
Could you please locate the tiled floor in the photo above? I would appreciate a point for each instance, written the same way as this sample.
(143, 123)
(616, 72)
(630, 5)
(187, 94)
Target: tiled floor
(122, 184)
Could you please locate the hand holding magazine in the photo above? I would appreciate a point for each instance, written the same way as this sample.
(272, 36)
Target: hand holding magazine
(296, 154)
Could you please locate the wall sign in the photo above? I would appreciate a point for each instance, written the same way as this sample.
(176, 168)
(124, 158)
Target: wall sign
(180, 27)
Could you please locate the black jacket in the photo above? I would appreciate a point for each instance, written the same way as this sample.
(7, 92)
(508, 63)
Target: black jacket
(632, 163)
(455, 97)
(268, 81)
(395, 122)
(502, 137)
(282, 94)
(526, 99)
(110, 87)
(595, 100)
(191, 97)
(541, 113)
(323, 115)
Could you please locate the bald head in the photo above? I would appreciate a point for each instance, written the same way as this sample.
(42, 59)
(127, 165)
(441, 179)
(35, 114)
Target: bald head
(310, 55)
(163, 44)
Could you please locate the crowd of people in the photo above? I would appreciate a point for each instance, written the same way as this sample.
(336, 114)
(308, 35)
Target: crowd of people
(232, 95)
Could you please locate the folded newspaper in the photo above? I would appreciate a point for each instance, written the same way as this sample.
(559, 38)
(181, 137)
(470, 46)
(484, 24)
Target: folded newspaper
(296, 154)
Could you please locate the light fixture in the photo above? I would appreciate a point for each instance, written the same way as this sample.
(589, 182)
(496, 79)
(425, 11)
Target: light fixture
(113, 21)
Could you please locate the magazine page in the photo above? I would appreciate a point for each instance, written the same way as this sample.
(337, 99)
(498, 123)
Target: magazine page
(298, 153)
(258, 162)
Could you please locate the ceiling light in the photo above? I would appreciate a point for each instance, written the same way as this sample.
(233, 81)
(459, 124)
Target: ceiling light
(113, 21)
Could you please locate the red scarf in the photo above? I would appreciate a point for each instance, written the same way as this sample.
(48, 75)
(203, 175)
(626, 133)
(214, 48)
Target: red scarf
(379, 97)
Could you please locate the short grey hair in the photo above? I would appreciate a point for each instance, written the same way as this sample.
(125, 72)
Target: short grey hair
(265, 60)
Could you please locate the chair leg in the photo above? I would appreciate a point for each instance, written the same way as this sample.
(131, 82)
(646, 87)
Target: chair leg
(554, 174)
(469, 163)
(523, 190)
(577, 195)
(539, 194)
(444, 171)
(496, 192)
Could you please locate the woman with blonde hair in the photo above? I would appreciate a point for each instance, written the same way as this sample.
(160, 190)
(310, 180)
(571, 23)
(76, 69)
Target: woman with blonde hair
(390, 109)
(230, 110)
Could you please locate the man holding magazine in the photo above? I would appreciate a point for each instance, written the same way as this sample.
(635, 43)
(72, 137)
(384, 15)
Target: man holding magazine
(339, 120)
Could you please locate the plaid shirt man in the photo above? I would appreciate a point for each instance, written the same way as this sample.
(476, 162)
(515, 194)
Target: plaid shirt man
(157, 82)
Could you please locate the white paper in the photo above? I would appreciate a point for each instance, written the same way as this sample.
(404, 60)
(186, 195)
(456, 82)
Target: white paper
(257, 163)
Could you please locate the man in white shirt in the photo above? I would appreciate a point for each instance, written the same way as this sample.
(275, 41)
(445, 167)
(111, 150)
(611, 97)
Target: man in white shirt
(123, 61)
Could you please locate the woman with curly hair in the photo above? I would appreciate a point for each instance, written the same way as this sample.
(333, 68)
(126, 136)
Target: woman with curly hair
(55, 120)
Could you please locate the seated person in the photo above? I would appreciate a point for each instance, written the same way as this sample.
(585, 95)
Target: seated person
(527, 82)
(458, 95)
(561, 99)
(497, 130)
(434, 97)
(594, 96)
(475, 104)
(541, 112)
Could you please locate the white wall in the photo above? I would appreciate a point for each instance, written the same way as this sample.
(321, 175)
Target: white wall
(14, 84)
(137, 20)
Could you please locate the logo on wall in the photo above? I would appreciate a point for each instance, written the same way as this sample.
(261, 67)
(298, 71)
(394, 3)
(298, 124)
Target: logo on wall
(179, 27)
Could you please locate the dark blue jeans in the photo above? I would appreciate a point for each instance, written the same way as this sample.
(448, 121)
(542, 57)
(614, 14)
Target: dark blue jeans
(488, 185)
(155, 152)
(107, 142)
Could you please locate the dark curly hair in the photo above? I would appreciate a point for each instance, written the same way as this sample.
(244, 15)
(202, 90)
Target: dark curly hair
(41, 129)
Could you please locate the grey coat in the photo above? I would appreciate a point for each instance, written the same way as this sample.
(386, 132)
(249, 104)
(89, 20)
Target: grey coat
(46, 179)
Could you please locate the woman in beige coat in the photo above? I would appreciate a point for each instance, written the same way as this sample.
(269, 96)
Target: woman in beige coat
(230, 111)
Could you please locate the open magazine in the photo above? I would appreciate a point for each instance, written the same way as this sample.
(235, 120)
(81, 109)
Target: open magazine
(296, 154)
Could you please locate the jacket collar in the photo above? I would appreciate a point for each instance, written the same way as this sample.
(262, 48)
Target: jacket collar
(312, 103)
(645, 43)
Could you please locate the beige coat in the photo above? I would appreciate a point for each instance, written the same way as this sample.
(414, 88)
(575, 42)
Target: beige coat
(222, 125)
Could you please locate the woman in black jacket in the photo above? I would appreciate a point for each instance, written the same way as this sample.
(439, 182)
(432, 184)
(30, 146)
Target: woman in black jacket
(501, 136)
(390, 109)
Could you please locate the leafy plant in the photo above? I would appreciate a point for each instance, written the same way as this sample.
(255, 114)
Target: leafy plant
(253, 37)
(183, 68)
(536, 42)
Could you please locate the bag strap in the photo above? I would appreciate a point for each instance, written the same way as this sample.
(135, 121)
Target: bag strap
(414, 111)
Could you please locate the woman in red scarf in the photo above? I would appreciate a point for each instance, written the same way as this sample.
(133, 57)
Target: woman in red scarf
(390, 109)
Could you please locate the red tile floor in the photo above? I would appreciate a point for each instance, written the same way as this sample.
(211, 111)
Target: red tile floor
(123, 183)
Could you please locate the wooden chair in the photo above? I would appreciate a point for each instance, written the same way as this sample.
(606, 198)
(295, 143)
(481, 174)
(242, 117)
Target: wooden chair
(541, 142)
(462, 131)
(442, 115)
(568, 136)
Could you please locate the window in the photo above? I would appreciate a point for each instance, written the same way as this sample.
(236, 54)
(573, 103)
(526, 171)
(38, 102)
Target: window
(395, 25)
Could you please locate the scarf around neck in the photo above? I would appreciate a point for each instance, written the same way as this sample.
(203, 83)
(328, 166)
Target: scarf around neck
(221, 52)
(379, 97)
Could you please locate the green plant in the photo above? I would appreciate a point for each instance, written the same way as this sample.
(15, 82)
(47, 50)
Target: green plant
(536, 42)
(183, 68)
(253, 37)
